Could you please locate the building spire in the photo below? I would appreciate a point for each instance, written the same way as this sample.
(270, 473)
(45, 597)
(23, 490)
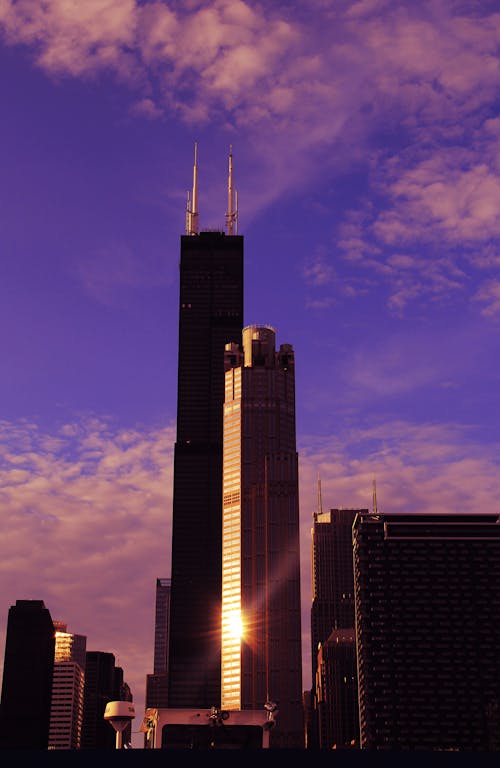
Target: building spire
(192, 202)
(375, 510)
(232, 200)
(320, 503)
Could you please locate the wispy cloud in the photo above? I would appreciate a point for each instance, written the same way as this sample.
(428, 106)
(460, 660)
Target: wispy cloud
(89, 509)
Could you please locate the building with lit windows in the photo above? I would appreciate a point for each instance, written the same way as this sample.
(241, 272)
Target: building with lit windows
(66, 712)
(428, 631)
(261, 623)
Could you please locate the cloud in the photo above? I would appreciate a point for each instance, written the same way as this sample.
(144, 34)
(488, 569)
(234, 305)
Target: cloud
(89, 532)
(489, 296)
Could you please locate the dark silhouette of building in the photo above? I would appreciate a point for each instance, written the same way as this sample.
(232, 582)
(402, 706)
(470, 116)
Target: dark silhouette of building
(428, 630)
(157, 683)
(335, 721)
(103, 683)
(261, 621)
(210, 315)
(27, 677)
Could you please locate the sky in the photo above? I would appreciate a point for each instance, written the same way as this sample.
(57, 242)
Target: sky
(366, 155)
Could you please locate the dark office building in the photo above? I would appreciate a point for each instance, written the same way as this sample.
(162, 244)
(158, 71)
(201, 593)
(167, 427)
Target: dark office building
(334, 719)
(428, 631)
(157, 683)
(103, 683)
(27, 677)
(336, 692)
(210, 315)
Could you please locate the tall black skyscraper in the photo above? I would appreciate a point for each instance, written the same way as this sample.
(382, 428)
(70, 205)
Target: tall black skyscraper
(210, 316)
(27, 677)
(428, 631)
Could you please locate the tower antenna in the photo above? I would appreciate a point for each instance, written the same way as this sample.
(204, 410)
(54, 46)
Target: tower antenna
(192, 202)
(319, 509)
(232, 200)
(375, 510)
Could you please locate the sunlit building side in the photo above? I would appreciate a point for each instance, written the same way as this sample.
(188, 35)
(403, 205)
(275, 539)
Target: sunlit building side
(261, 623)
(66, 712)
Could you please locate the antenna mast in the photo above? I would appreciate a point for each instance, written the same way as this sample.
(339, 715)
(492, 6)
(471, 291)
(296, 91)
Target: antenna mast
(375, 510)
(320, 503)
(232, 200)
(192, 202)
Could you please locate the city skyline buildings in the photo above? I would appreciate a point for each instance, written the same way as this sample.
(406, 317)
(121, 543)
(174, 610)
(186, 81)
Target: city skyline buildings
(68, 683)
(211, 274)
(261, 600)
(334, 716)
(27, 676)
(428, 630)
(366, 165)
(157, 682)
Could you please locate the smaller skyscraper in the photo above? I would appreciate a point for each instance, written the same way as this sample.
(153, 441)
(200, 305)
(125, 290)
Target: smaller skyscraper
(428, 631)
(334, 717)
(157, 683)
(103, 683)
(261, 623)
(66, 714)
(27, 676)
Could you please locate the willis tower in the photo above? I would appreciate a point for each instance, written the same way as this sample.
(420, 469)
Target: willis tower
(210, 316)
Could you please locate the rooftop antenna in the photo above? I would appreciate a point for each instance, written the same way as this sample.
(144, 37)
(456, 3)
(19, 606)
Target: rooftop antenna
(232, 200)
(375, 510)
(192, 202)
(319, 510)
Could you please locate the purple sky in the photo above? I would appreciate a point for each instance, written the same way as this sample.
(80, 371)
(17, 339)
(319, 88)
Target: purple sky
(366, 143)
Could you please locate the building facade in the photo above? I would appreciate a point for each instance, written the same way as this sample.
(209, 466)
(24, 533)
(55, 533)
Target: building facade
(335, 722)
(210, 316)
(103, 683)
(66, 712)
(261, 621)
(27, 677)
(157, 683)
(428, 631)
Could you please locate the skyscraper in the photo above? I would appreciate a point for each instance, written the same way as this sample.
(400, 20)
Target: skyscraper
(157, 683)
(334, 678)
(103, 683)
(428, 630)
(66, 712)
(27, 676)
(210, 316)
(261, 623)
